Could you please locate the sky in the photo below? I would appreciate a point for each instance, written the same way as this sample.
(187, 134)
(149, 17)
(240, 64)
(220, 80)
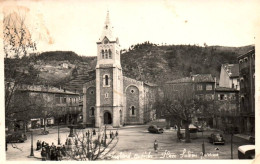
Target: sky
(77, 25)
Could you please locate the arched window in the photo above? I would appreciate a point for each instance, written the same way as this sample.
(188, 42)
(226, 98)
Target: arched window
(92, 111)
(102, 54)
(106, 79)
(110, 54)
(106, 55)
(132, 110)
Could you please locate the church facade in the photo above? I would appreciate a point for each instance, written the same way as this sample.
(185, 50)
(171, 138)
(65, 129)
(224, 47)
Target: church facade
(113, 99)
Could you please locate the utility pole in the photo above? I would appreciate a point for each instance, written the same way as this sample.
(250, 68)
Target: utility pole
(32, 154)
(203, 145)
(58, 131)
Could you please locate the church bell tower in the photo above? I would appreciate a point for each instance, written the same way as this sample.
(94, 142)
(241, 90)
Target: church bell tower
(109, 79)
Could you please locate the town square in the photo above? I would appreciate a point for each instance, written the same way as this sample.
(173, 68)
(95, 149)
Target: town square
(117, 81)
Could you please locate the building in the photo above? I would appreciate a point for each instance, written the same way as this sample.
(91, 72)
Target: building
(202, 86)
(229, 76)
(57, 105)
(227, 108)
(247, 91)
(112, 98)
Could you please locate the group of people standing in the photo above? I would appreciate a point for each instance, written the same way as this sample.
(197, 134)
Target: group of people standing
(53, 152)
(56, 153)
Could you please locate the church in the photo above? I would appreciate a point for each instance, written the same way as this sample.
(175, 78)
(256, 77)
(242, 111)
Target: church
(113, 99)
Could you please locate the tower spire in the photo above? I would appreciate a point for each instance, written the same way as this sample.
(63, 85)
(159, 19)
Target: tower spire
(107, 30)
(107, 22)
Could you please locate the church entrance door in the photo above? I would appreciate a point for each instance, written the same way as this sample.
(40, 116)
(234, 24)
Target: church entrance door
(107, 118)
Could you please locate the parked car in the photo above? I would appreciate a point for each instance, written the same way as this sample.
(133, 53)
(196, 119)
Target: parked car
(246, 152)
(216, 138)
(16, 137)
(200, 128)
(155, 129)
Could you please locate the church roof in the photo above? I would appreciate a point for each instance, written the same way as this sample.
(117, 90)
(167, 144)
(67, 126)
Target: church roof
(151, 84)
(107, 30)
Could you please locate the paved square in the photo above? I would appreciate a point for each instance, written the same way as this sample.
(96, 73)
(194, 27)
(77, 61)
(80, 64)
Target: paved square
(137, 143)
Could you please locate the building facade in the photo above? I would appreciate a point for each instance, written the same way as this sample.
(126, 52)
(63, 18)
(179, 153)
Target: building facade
(229, 76)
(227, 108)
(57, 105)
(247, 91)
(201, 86)
(113, 99)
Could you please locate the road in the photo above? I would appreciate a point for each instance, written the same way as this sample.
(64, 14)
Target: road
(137, 143)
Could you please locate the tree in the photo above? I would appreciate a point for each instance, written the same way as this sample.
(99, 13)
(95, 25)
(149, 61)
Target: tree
(182, 105)
(17, 44)
(17, 37)
(89, 147)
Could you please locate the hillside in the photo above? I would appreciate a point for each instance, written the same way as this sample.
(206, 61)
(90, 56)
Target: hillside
(146, 62)
(158, 64)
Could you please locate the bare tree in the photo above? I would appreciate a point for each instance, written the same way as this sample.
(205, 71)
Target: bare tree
(182, 105)
(17, 43)
(89, 147)
(17, 37)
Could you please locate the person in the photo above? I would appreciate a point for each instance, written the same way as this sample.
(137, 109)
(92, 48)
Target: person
(94, 132)
(63, 150)
(43, 144)
(76, 142)
(116, 133)
(38, 145)
(155, 145)
(175, 127)
(43, 154)
(69, 142)
(110, 134)
(59, 156)
(88, 133)
(48, 153)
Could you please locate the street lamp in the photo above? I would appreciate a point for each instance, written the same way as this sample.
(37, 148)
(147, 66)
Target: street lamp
(231, 141)
(59, 131)
(32, 154)
(203, 145)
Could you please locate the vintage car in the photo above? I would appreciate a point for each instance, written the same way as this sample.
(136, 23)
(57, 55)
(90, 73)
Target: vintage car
(155, 129)
(246, 152)
(200, 128)
(216, 138)
(16, 137)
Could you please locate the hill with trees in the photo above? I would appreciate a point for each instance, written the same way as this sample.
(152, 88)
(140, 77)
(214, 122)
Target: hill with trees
(146, 61)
